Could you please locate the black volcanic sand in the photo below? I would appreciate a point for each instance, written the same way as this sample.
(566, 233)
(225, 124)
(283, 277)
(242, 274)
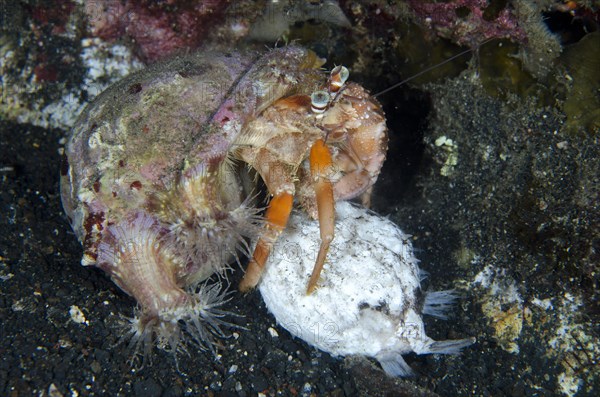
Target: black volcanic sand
(43, 350)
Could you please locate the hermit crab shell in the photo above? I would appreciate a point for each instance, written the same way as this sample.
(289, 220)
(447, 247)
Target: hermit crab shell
(150, 188)
(142, 134)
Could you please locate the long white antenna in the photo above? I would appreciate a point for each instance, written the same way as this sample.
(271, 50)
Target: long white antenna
(422, 72)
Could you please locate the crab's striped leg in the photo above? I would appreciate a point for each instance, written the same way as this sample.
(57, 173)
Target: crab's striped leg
(276, 218)
(320, 166)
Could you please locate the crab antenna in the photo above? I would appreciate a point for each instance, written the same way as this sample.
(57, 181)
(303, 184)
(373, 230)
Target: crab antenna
(422, 72)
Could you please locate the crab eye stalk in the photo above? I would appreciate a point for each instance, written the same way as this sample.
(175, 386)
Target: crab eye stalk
(319, 100)
(338, 77)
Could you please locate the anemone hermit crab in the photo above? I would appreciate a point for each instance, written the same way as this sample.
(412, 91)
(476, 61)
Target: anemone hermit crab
(161, 173)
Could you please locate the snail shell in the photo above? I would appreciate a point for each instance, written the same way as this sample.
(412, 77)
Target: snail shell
(151, 191)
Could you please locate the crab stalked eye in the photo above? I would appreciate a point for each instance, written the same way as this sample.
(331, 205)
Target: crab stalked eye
(338, 77)
(319, 101)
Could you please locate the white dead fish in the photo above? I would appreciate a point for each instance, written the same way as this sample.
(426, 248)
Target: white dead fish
(368, 301)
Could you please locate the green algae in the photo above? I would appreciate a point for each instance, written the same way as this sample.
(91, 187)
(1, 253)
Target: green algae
(502, 73)
(582, 104)
(497, 63)
(415, 51)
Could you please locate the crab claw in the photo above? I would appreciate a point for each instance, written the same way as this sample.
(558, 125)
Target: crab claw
(276, 216)
(320, 166)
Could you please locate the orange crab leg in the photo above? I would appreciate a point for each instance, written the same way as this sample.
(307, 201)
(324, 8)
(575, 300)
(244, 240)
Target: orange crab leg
(320, 164)
(276, 216)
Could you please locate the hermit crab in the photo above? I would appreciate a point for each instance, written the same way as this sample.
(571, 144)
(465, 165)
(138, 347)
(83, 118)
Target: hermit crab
(161, 172)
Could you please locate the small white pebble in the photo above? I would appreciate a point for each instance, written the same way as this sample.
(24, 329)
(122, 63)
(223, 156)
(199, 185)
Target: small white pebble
(307, 388)
(77, 315)
(273, 332)
(440, 141)
(53, 391)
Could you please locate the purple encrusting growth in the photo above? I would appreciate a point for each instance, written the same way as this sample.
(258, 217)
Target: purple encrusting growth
(151, 188)
(158, 29)
(473, 28)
